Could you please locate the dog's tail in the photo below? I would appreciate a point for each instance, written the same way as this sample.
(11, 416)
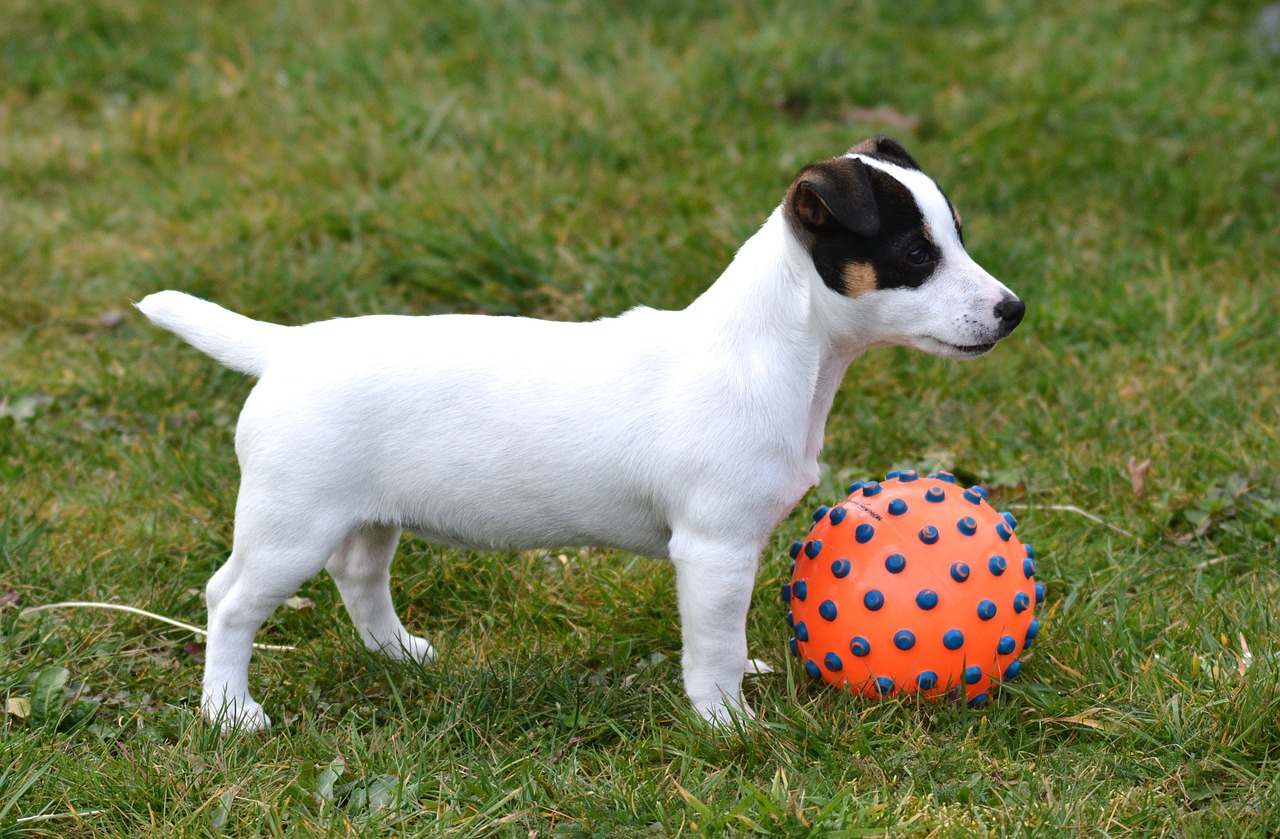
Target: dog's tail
(239, 342)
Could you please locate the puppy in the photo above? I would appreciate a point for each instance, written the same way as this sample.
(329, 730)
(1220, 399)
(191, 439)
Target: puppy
(684, 434)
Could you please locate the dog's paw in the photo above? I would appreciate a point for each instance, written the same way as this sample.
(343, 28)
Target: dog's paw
(420, 650)
(243, 715)
(408, 647)
(722, 714)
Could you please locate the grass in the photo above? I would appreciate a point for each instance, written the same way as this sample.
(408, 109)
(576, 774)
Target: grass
(1116, 163)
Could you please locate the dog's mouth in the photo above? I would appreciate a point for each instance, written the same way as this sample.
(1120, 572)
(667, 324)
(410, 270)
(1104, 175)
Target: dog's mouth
(946, 349)
(973, 349)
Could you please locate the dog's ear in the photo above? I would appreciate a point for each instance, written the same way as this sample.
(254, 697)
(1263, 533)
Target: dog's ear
(886, 149)
(835, 192)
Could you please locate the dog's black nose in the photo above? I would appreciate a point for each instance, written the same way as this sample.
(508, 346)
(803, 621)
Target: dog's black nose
(1010, 312)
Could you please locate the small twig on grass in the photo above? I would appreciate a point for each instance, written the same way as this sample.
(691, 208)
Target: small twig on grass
(52, 816)
(78, 604)
(1067, 508)
(1209, 563)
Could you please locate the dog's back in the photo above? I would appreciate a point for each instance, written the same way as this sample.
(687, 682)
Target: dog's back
(477, 431)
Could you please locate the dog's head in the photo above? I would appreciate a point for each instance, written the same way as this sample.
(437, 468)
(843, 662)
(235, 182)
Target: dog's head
(882, 233)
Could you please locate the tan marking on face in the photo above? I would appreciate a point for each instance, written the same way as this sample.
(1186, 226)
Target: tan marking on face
(859, 279)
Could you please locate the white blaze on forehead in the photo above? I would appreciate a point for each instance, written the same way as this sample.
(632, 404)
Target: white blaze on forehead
(929, 198)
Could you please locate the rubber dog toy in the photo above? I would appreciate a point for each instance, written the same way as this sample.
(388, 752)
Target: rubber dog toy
(913, 585)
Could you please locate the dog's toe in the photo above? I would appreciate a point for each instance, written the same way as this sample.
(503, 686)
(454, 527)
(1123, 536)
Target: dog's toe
(420, 650)
(408, 647)
(243, 716)
(721, 714)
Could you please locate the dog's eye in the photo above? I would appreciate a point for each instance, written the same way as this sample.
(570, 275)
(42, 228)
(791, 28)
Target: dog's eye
(920, 255)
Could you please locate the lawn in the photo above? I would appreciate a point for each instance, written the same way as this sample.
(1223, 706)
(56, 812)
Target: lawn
(1116, 163)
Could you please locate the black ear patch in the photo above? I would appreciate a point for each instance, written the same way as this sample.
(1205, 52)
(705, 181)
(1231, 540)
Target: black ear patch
(860, 224)
(887, 149)
(834, 193)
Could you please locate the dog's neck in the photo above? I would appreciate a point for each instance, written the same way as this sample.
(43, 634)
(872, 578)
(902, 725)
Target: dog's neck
(772, 293)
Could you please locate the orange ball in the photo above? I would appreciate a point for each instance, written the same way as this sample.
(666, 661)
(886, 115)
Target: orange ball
(913, 585)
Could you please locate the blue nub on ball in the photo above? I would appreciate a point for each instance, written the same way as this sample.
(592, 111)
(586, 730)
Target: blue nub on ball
(860, 646)
(894, 563)
(833, 662)
(841, 568)
(953, 639)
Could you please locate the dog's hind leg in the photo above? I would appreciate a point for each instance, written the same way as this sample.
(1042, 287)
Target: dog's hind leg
(269, 562)
(362, 569)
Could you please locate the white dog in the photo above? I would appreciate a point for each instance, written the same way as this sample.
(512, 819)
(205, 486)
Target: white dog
(685, 434)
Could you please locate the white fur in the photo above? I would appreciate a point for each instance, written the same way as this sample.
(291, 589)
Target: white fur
(684, 434)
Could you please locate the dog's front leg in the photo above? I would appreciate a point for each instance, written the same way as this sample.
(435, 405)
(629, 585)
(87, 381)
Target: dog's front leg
(714, 581)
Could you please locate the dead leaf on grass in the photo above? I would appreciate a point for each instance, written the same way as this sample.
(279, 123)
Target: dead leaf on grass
(19, 707)
(1138, 474)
